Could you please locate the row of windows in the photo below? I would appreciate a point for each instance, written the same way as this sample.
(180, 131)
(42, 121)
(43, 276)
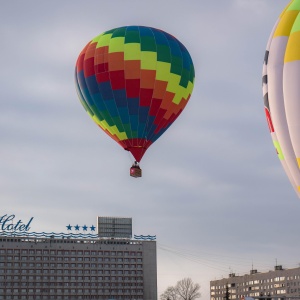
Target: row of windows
(77, 272)
(137, 280)
(232, 291)
(256, 294)
(70, 252)
(66, 297)
(66, 278)
(134, 283)
(293, 290)
(61, 258)
(72, 271)
(253, 282)
(68, 265)
(261, 287)
(241, 296)
(71, 291)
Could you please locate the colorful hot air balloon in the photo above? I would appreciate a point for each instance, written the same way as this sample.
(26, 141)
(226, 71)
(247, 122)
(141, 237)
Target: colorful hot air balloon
(134, 82)
(281, 89)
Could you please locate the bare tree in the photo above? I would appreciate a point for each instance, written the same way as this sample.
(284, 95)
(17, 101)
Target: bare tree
(169, 294)
(187, 290)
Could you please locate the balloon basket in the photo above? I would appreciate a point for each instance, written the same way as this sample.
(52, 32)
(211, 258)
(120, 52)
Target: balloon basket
(135, 170)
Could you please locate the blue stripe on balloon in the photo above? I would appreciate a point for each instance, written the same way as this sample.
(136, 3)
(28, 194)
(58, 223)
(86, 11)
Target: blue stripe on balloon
(134, 122)
(160, 38)
(175, 50)
(124, 114)
(112, 108)
(106, 90)
(141, 130)
(92, 84)
(98, 100)
(132, 28)
(186, 60)
(133, 106)
(120, 97)
(145, 31)
(81, 80)
(143, 114)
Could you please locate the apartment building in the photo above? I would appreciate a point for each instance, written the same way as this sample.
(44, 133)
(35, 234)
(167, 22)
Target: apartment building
(277, 284)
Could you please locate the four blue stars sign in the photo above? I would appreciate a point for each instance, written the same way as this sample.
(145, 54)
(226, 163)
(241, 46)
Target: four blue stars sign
(84, 227)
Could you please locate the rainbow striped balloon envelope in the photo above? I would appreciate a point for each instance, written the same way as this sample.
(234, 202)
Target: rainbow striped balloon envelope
(281, 89)
(134, 82)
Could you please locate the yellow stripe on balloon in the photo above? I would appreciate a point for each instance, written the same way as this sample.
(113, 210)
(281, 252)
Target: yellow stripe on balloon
(179, 95)
(96, 38)
(286, 23)
(103, 40)
(292, 52)
(148, 60)
(162, 70)
(173, 83)
(116, 44)
(132, 51)
(113, 130)
(285, 9)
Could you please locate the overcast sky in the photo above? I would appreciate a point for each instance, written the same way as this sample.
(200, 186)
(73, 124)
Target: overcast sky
(213, 190)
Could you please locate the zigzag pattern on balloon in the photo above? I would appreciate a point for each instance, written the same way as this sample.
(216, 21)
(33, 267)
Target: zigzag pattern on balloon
(134, 82)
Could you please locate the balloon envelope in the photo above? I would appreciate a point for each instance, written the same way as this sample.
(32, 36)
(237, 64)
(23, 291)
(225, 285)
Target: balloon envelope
(134, 82)
(281, 89)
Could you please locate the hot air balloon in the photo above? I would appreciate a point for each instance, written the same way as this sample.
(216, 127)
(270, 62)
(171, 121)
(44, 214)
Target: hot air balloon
(281, 89)
(134, 82)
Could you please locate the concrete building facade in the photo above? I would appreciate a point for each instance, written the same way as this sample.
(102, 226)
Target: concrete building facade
(277, 284)
(57, 268)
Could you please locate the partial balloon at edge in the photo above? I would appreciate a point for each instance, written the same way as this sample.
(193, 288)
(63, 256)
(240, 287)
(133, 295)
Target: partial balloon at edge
(281, 90)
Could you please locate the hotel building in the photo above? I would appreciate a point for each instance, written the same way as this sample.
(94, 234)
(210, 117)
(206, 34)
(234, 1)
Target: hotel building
(83, 268)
